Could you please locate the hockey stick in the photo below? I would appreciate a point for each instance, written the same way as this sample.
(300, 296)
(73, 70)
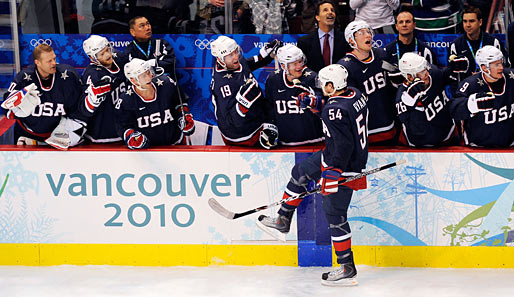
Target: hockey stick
(217, 207)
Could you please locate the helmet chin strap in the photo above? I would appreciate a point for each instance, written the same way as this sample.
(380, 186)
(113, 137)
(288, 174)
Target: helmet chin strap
(488, 75)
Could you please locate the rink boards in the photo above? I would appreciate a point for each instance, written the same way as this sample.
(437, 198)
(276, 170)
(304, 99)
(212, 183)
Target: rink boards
(449, 208)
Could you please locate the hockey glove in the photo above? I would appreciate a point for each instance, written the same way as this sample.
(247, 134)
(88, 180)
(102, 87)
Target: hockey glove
(329, 181)
(270, 49)
(269, 136)
(96, 93)
(186, 122)
(415, 90)
(307, 100)
(481, 102)
(458, 64)
(135, 139)
(247, 95)
(396, 78)
(68, 133)
(23, 102)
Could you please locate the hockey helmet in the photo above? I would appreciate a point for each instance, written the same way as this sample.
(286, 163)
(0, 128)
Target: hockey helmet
(335, 74)
(412, 63)
(349, 32)
(289, 53)
(94, 44)
(223, 46)
(135, 68)
(487, 55)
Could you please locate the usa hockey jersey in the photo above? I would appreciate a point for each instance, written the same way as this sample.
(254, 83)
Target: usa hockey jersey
(345, 120)
(225, 85)
(428, 122)
(493, 128)
(156, 118)
(295, 126)
(369, 77)
(159, 49)
(100, 121)
(59, 98)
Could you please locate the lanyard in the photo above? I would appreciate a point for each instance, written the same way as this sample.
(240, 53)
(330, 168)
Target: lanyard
(147, 54)
(473, 53)
(398, 48)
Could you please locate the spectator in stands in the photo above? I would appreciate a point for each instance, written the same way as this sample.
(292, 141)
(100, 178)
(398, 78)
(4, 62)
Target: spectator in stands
(211, 16)
(406, 42)
(484, 102)
(472, 40)
(437, 16)
(157, 51)
(42, 97)
(326, 45)
(378, 14)
(269, 16)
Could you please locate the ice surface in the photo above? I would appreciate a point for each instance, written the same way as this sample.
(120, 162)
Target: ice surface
(246, 281)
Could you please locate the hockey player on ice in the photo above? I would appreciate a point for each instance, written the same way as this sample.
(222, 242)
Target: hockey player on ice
(41, 98)
(150, 112)
(243, 115)
(345, 154)
(365, 65)
(295, 126)
(105, 83)
(484, 102)
(422, 104)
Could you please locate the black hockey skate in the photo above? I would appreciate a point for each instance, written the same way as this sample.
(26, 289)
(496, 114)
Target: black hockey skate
(344, 276)
(276, 227)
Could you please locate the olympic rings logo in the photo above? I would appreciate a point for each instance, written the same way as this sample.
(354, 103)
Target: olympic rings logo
(36, 42)
(203, 44)
(377, 43)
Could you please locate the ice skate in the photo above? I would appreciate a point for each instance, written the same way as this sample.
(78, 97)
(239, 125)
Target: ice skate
(276, 227)
(344, 276)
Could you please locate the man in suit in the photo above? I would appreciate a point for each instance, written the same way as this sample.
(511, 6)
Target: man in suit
(326, 45)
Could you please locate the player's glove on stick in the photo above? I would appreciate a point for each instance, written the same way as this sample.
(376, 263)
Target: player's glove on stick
(270, 49)
(186, 122)
(247, 95)
(23, 102)
(481, 102)
(415, 90)
(96, 93)
(135, 139)
(458, 64)
(329, 181)
(269, 136)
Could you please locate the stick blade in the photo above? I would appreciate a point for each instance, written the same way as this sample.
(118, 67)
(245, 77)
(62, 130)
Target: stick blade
(217, 207)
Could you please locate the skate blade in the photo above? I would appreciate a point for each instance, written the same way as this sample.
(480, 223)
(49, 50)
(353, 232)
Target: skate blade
(346, 282)
(272, 232)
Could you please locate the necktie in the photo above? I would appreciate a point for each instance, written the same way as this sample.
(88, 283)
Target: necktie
(326, 51)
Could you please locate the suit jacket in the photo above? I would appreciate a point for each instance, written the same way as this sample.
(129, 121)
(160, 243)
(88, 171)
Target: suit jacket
(310, 46)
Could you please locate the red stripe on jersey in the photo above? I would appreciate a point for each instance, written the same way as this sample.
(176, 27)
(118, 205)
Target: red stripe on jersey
(341, 246)
(382, 136)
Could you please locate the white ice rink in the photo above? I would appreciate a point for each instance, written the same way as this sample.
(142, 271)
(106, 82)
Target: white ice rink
(243, 281)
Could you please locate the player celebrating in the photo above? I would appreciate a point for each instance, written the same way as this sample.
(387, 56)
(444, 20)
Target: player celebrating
(295, 126)
(150, 112)
(484, 101)
(103, 76)
(345, 154)
(365, 64)
(422, 103)
(243, 116)
(40, 97)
